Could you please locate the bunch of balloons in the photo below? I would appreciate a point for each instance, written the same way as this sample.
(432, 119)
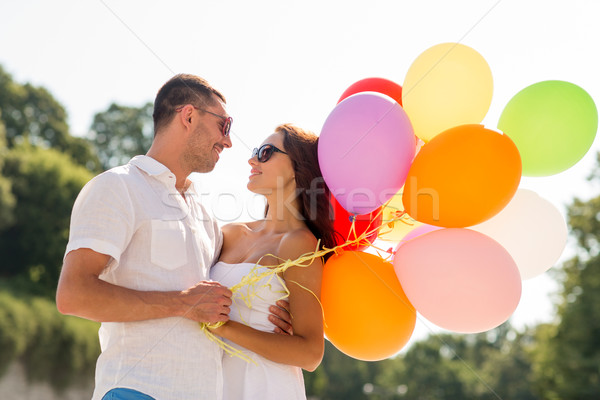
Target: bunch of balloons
(412, 164)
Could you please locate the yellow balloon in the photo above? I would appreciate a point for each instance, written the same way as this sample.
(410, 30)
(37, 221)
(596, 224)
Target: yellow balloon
(447, 85)
(394, 229)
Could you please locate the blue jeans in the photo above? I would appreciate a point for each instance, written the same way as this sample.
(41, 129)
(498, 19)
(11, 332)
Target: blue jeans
(125, 394)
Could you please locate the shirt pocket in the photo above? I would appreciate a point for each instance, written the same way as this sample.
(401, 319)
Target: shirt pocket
(168, 247)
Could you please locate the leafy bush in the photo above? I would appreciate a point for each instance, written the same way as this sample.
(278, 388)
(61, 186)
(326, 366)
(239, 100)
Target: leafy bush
(16, 329)
(53, 347)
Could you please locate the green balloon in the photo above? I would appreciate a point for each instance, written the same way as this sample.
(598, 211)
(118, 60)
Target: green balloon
(553, 124)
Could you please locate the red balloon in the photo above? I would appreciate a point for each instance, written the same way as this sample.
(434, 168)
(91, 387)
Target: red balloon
(380, 85)
(342, 224)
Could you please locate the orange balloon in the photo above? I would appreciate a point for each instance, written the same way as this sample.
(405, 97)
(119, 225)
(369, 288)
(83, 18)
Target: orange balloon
(367, 315)
(462, 177)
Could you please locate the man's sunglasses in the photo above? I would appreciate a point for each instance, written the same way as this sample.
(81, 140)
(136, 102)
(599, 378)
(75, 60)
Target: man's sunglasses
(265, 152)
(227, 121)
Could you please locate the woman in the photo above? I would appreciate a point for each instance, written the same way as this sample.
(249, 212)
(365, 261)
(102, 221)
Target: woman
(285, 170)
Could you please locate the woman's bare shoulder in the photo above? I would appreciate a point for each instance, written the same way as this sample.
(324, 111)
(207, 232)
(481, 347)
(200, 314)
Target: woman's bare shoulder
(297, 243)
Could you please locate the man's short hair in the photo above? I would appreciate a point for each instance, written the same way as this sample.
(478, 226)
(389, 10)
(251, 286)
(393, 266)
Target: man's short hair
(180, 90)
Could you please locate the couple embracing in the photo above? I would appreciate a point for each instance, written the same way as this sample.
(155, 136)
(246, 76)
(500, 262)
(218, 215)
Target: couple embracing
(146, 260)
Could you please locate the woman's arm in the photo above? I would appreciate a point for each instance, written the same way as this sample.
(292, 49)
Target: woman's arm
(305, 347)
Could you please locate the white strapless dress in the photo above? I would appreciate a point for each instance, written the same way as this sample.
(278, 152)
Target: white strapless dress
(265, 380)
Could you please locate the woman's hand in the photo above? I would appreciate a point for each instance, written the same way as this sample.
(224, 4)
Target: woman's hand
(281, 318)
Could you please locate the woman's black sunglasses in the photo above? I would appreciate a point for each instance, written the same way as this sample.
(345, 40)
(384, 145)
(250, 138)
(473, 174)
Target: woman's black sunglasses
(265, 152)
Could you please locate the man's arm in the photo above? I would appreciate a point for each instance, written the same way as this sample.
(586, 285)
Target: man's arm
(82, 293)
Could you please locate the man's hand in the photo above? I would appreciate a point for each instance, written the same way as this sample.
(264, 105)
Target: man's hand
(281, 318)
(82, 293)
(207, 301)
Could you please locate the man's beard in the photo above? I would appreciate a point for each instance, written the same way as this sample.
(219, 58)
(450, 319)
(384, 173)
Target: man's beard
(198, 161)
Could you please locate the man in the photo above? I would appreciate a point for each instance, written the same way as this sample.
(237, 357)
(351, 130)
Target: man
(139, 253)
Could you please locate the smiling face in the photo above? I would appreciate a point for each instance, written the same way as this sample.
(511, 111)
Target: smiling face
(276, 174)
(206, 141)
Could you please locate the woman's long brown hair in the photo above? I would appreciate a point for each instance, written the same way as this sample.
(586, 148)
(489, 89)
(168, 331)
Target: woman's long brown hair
(313, 193)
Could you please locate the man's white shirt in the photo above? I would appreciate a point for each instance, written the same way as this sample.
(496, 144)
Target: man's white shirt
(158, 241)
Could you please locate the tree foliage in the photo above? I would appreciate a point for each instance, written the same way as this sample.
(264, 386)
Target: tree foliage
(45, 184)
(54, 348)
(488, 366)
(339, 377)
(42, 169)
(31, 114)
(7, 199)
(569, 352)
(121, 132)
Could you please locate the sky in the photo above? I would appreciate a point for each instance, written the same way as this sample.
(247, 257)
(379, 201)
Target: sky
(289, 61)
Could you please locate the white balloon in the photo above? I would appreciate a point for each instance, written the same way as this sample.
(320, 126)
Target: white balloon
(531, 229)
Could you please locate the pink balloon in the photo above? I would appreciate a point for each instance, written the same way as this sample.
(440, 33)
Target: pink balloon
(417, 232)
(459, 279)
(366, 147)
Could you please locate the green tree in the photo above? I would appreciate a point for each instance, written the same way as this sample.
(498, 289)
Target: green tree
(45, 184)
(58, 349)
(506, 369)
(430, 370)
(339, 376)
(487, 366)
(31, 114)
(569, 355)
(7, 200)
(121, 132)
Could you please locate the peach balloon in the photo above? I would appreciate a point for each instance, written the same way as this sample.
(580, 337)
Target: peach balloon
(366, 313)
(463, 177)
(531, 229)
(459, 279)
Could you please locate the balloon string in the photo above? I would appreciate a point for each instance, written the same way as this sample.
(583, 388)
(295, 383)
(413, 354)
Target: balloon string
(396, 216)
(229, 349)
(260, 273)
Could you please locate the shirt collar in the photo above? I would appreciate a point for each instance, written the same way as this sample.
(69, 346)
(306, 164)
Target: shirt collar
(154, 168)
(149, 165)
